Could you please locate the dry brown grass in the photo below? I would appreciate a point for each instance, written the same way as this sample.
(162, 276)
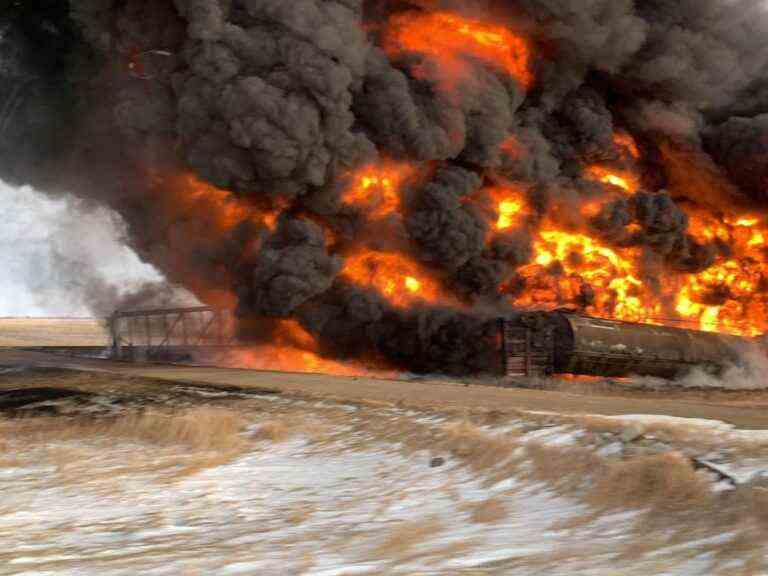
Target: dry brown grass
(489, 511)
(273, 431)
(168, 445)
(202, 428)
(661, 481)
(664, 481)
(300, 514)
(475, 446)
(52, 332)
(747, 548)
(665, 488)
(661, 486)
(405, 536)
(567, 469)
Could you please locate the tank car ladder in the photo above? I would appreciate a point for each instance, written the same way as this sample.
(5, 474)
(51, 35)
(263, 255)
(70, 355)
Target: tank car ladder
(523, 353)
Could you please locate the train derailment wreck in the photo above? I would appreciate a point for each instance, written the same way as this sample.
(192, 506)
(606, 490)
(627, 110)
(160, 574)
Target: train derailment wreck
(545, 343)
(529, 343)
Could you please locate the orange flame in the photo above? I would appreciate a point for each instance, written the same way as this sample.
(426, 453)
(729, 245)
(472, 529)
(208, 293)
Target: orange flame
(221, 208)
(376, 188)
(395, 276)
(220, 205)
(729, 296)
(621, 179)
(195, 209)
(512, 148)
(451, 41)
(511, 207)
(291, 333)
(611, 273)
(627, 142)
(293, 349)
(592, 208)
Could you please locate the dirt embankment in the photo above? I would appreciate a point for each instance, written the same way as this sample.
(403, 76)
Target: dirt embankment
(744, 409)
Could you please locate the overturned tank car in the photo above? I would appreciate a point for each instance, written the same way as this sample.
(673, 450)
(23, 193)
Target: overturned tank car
(562, 342)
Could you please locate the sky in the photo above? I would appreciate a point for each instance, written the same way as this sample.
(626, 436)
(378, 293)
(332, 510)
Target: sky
(46, 248)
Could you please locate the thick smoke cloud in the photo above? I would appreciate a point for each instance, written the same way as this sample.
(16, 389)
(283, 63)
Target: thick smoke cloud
(265, 104)
(740, 145)
(406, 123)
(701, 52)
(446, 232)
(199, 120)
(292, 268)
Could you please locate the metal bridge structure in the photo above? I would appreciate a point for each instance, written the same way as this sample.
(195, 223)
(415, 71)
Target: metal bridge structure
(169, 334)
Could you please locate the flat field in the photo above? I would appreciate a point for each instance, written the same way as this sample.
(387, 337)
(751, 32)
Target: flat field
(23, 332)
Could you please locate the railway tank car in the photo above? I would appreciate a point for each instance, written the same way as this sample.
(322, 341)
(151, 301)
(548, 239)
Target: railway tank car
(564, 342)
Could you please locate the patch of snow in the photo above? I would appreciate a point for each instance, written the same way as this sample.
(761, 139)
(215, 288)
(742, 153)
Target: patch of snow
(320, 509)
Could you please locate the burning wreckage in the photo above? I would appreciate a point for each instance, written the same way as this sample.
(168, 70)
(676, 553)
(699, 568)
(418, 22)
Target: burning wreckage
(527, 344)
(562, 342)
(379, 181)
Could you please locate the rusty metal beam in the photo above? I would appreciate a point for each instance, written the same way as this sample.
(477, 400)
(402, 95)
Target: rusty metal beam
(158, 311)
(204, 332)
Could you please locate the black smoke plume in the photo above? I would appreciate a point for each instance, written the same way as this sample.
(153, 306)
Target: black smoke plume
(125, 102)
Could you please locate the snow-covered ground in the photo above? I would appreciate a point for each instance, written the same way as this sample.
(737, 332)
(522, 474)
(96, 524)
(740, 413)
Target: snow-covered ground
(341, 490)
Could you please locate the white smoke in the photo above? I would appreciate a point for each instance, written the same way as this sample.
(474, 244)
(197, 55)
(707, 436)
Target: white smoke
(749, 373)
(52, 250)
